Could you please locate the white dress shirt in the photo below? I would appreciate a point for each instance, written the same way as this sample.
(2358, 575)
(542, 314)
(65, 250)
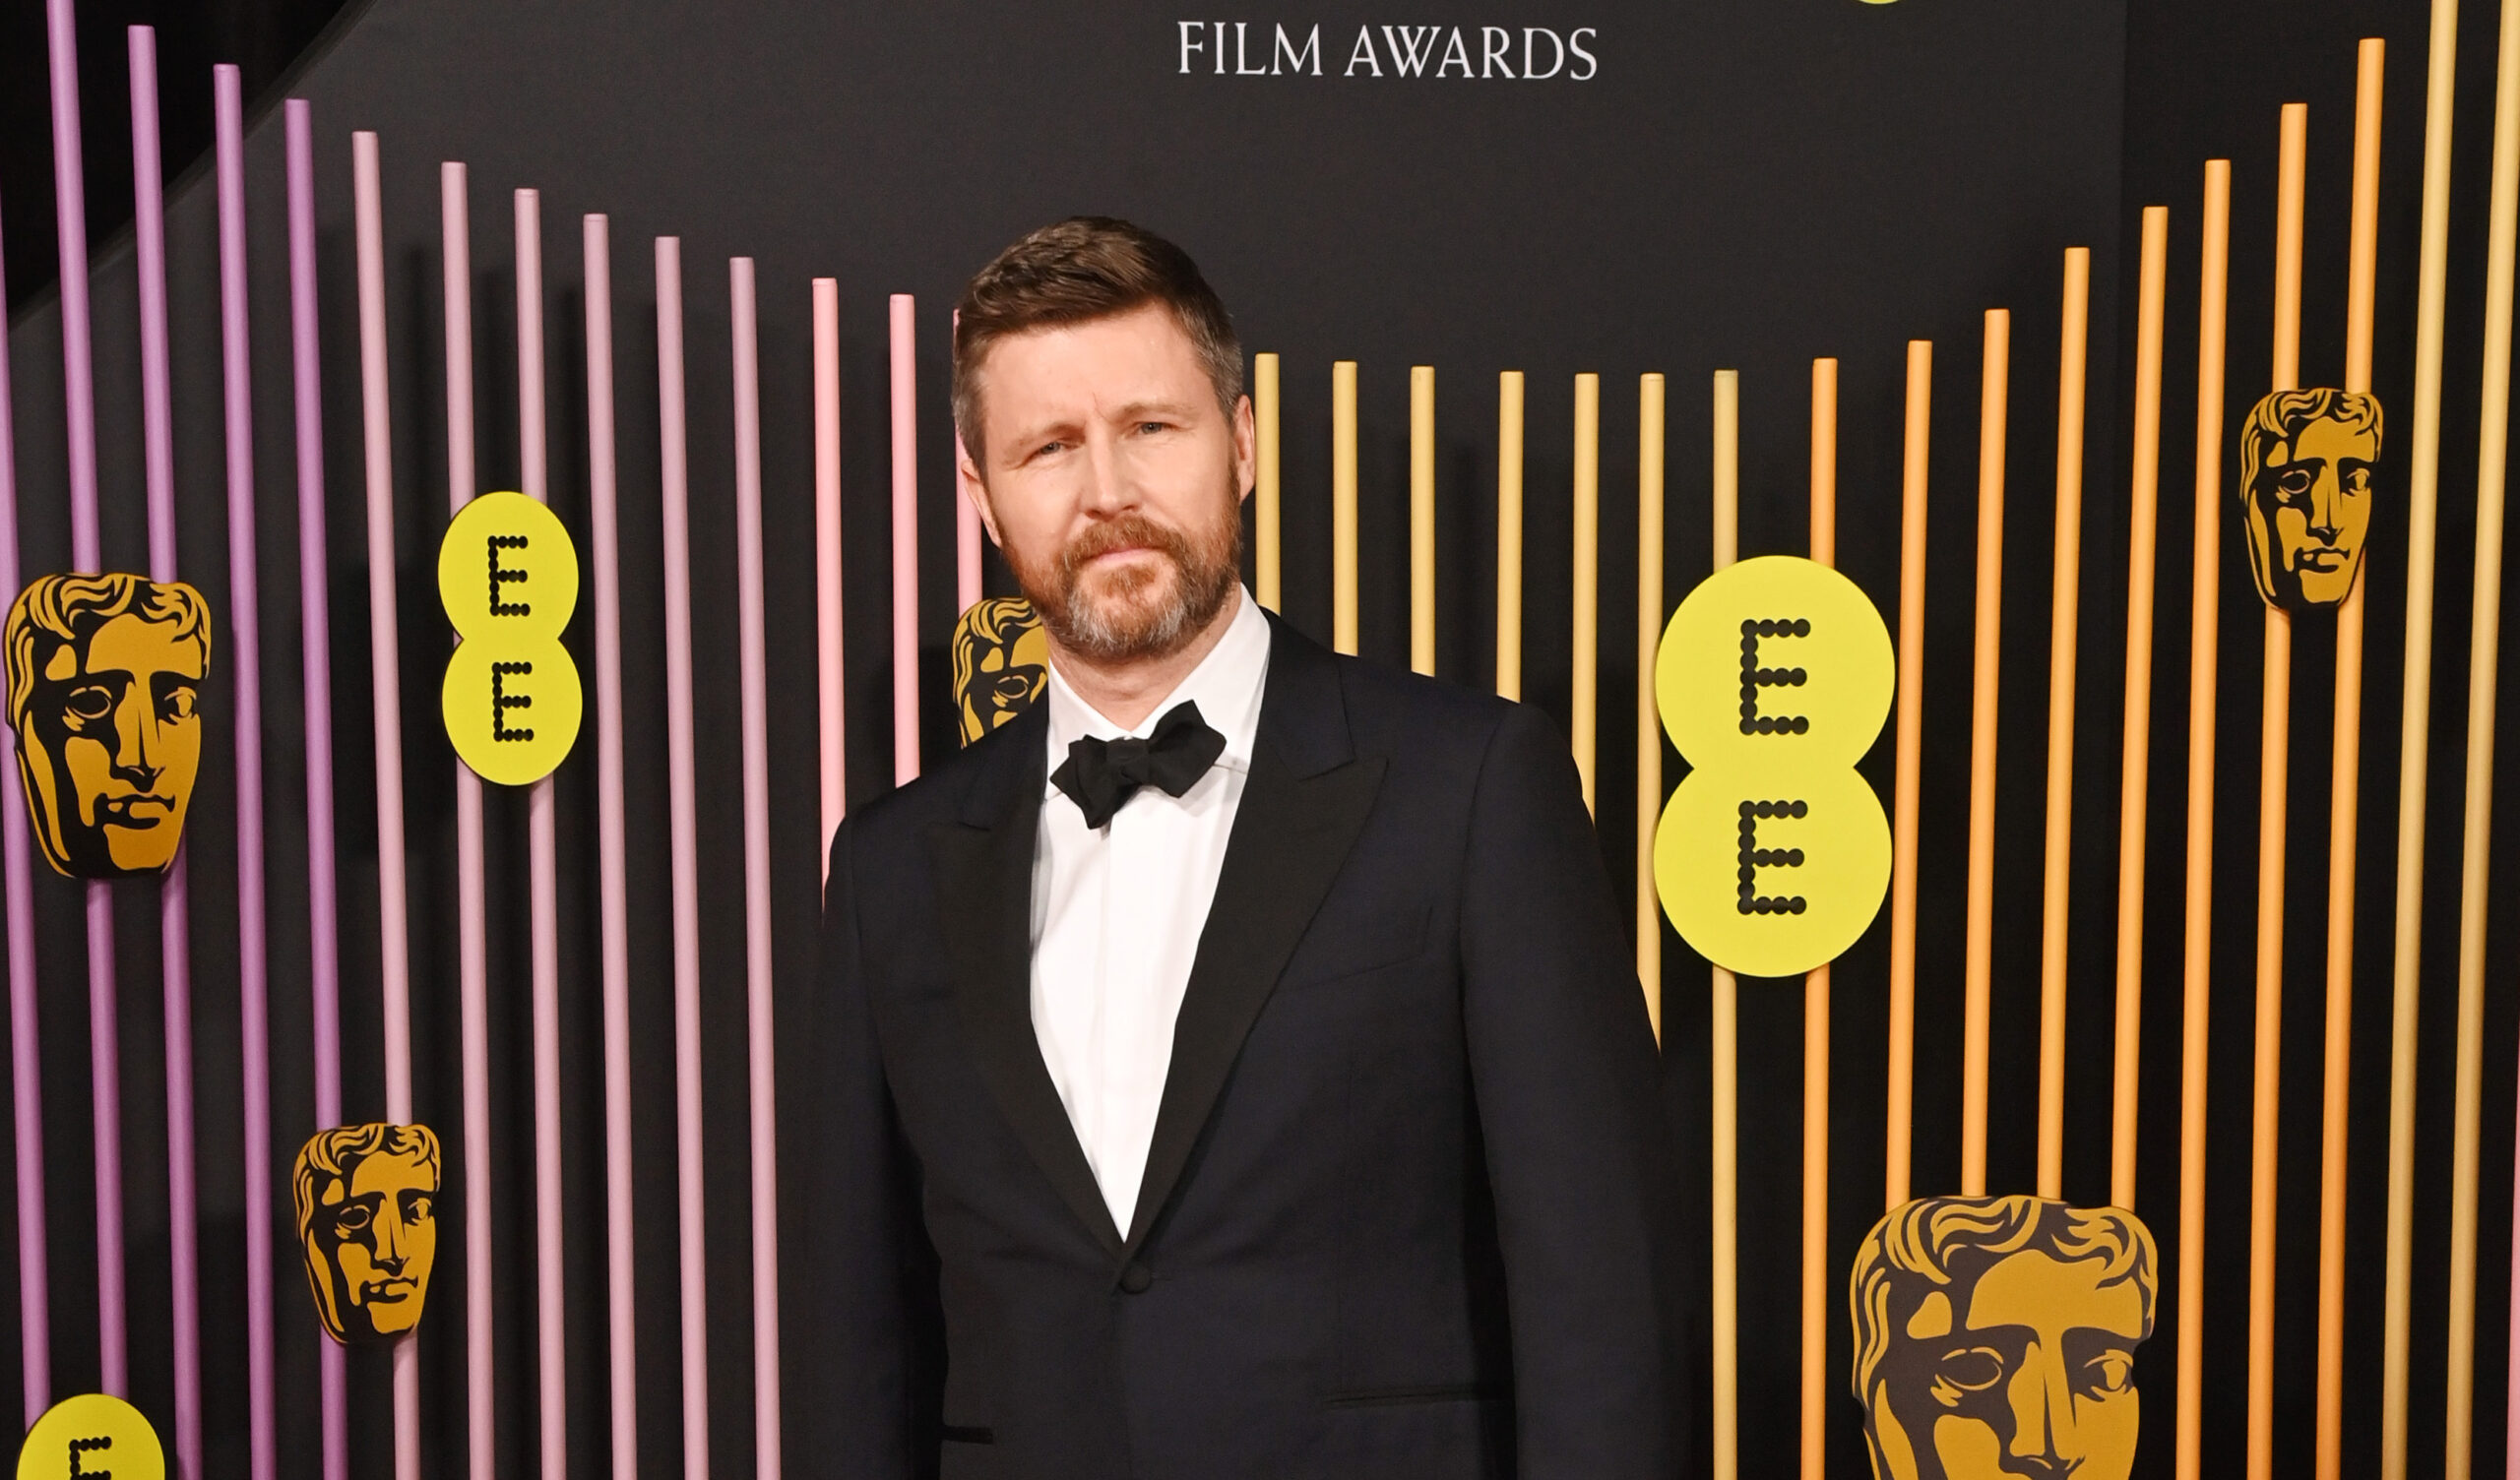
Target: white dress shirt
(1117, 910)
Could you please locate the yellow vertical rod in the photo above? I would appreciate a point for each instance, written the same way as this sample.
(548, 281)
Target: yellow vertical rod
(2198, 948)
(1270, 481)
(1421, 518)
(1650, 392)
(2135, 770)
(1343, 506)
(1815, 1006)
(1510, 535)
(1723, 1024)
(2065, 605)
(1980, 968)
(1587, 579)
(1899, 1142)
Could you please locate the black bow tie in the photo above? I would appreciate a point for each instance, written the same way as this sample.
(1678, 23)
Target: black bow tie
(1100, 775)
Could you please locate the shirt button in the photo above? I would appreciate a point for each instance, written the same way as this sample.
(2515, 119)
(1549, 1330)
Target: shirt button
(1135, 1278)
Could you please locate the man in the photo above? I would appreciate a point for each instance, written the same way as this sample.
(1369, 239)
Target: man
(2306, 493)
(1234, 1065)
(368, 1227)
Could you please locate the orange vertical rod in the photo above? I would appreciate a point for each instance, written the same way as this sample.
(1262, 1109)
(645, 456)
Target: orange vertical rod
(2065, 604)
(1901, 1139)
(1650, 393)
(1981, 753)
(1817, 1304)
(1723, 1017)
(2136, 773)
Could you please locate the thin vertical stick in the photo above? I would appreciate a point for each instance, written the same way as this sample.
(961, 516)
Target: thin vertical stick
(1343, 506)
(1723, 1202)
(473, 949)
(683, 810)
(1509, 533)
(967, 515)
(1650, 391)
(762, 1028)
(2344, 805)
(2492, 464)
(1815, 1004)
(1585, 701)
(17, 863)
(1421, 518)
(384, 663)
(2134, 787)
(2063, 627)
(1270, 481)
(612, 854)
(1981, 752)
(2198, 948)
(244, 640)
(905, 403)
(2414, 722)
(2274, 783)
(831, 674)
(1899, 1140)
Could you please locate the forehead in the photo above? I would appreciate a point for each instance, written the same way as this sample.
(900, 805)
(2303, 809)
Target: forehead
(2034, 1289)
(133, 645)
(2329, 439)
(1098, 366)
(383, 1173)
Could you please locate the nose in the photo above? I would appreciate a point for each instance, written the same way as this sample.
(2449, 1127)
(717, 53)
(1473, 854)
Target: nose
(2327, 508)
(389, 1239)
(2043, 1413)
(135, 740)
(1108, 488)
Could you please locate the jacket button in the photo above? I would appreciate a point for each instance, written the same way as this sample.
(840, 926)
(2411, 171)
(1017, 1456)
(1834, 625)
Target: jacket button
(1135, 1278)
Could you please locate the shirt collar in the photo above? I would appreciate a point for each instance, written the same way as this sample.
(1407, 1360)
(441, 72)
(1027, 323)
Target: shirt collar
(1226, 686)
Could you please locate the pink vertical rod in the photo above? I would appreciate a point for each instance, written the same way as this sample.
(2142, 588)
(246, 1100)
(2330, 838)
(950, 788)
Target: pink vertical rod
(79, 400)
(26, 1061)
(543, 867)
(322, 895)
(905, 541)
(967, 516)
(175, 912)
(682, 794)
(757, 957)
(832, 674)
(612, 851)
(473, 948)
(393, 928)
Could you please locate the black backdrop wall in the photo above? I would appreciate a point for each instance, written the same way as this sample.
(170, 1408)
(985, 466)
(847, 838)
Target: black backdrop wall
(1734, 186)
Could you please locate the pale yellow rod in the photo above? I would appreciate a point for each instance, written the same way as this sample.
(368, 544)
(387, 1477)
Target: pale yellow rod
(1510, 535)
(2415, 726)
(1586, 686)
(2136, 751)
(2494, 433)
(1650, 394)
(2274, 761)
(1723, 1202)
(1899, 1154)
(2065, 606)
(2197, 955)
(1269, 481)
(1343, 506)
(2345, 799)
(1421, 518)
(1978, 976)
(1817, 1306)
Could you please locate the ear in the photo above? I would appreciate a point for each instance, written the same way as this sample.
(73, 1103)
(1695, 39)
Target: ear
(966, 475)
(1246, 449)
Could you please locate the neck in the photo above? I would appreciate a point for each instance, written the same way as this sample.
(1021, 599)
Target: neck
(1126, 691)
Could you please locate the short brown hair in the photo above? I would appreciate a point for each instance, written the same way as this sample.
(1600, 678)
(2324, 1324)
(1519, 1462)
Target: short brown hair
(1079, 269)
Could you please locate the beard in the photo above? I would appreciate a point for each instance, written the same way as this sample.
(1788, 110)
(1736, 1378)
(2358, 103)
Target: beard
(1135, 612)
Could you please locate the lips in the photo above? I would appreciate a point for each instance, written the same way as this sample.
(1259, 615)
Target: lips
(144, 811)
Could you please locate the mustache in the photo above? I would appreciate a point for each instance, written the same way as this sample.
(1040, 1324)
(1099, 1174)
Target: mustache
(1128, 531)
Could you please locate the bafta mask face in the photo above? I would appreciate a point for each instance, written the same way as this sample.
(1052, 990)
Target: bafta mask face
(1996, 1336)
(104, 681)
(2306, 460)
(367, 1222)
(1001, 661)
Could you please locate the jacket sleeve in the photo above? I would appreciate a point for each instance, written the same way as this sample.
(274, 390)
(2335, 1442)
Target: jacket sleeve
(877, 1328)
(1566, 1076)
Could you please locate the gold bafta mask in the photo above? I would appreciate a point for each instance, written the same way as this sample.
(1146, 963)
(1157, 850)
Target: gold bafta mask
(1996, 1336)
(367, 1225)
(1001, 662)
(2306, 493)
(104, 692)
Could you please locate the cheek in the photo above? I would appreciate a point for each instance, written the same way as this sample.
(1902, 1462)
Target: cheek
(1968, 1449)
(89, 764)
(353, 1260)
(179, 746)
(420, 1247)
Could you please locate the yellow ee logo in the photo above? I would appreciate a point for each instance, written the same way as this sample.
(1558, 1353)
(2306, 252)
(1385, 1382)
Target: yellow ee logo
(1774, 853)
(92, 1436)
(509, 577)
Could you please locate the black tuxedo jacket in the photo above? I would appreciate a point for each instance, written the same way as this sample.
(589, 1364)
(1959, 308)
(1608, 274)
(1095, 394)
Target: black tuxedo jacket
(1409, 1208)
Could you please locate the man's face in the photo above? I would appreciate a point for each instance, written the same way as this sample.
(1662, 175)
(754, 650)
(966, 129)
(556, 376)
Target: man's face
(114, 747)
(1109, 476)
(2308, 512)
(2030, 1372)
(376, 1234)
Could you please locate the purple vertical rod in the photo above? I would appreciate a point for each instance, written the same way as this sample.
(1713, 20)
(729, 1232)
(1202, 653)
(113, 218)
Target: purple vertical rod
(79, 400)
(612, 853)
(244, 644)
(394, 927)
(757, 955)
(682, 797)
(472, 947)
(322, 900)
(175, 912)
(26, 1061)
